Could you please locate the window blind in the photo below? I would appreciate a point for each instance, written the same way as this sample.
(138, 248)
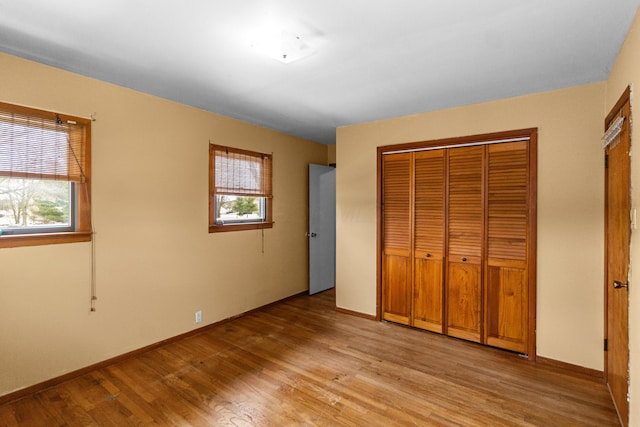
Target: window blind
(241, 172)
(38, 147)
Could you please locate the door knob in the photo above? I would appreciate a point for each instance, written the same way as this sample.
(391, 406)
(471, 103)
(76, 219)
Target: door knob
(618, 285)
(312, 235)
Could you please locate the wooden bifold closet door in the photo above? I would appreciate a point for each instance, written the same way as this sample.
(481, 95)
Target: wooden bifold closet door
(506, 262)
(456, 241)
(428, 251)
(398, 232)
(466, 233)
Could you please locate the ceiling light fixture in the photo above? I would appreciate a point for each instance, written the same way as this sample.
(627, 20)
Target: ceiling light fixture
(284, 45)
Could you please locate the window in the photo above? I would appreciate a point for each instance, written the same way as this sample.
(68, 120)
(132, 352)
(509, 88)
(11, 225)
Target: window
(44, 177)
(239, 189)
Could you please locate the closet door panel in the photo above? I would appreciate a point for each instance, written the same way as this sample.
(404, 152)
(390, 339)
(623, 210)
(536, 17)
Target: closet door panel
(466, 210)
(464, 301)
(429, 240)
(397, 287)
(507, 306)
(427, 310)
(397, 232)
(465, 243)
(507, 228)
(507, 201)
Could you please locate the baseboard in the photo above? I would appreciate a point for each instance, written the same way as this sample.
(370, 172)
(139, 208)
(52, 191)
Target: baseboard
(570, 367)
(356, 313)
(19, 394)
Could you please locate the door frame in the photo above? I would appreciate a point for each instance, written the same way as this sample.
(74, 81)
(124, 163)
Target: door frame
(624, 98)
(481, 139)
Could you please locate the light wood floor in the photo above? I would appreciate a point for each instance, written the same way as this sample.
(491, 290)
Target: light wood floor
(302, 363)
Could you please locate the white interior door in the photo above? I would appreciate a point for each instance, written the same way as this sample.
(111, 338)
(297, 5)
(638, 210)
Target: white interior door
(322, 228)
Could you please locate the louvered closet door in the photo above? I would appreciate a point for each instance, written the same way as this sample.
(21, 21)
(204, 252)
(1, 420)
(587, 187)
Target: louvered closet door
(465, 241)
(506, 268)
(429, 240)
(396, 237)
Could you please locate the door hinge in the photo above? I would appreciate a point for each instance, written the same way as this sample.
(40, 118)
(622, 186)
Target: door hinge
(606, 161)
(606, 344)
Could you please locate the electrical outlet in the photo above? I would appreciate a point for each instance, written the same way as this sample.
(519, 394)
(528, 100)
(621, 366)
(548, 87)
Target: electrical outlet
(198, 316)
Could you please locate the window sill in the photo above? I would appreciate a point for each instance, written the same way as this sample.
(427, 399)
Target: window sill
(240, 226)
(14, 241)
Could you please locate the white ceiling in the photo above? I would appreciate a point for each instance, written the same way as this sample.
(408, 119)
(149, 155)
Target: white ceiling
(373, 59)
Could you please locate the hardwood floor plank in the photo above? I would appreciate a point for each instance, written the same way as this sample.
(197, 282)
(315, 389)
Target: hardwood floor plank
(303, 363)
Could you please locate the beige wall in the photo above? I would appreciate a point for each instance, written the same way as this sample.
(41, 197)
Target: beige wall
(626, 71)
(570, 207)
(156, 264)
